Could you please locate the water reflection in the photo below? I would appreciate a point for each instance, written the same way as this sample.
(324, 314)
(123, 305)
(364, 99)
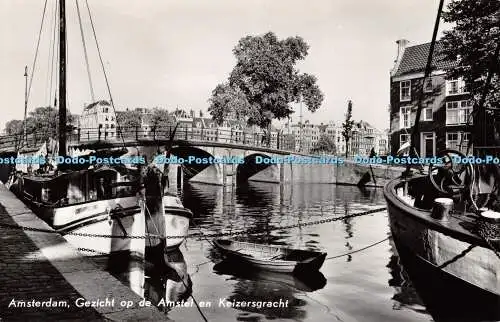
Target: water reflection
(267, 207)
(309, 283)
(405, 295)
(261, 286)
(169, 284)
(366, 286)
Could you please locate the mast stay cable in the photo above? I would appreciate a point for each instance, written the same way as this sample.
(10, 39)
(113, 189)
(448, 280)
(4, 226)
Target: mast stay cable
(85, 52)
(37, 47)
(54, 55)
(104, 71)
(428, 69)
(32, 73)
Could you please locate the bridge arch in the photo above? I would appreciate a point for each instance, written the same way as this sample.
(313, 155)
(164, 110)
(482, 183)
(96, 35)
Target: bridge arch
(196, 166)
(251, 167)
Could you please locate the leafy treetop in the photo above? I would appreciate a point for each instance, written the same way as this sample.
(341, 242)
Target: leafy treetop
(473, 42)
(264, 81)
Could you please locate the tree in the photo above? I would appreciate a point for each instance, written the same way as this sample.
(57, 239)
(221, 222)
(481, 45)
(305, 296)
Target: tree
(128, 119)
(474, 43)
(44, 122)
(264, 81)
(347, 127)
(160, 118)
(228, 101)
(14, 127)
(325, 144)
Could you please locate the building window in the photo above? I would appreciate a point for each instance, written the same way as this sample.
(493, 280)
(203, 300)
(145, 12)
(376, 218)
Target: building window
(404, 138)
(458, 141)
(405, 92)
(458, 112)
(428, 85)
(455, 87)
(427, 114)
(405, 117)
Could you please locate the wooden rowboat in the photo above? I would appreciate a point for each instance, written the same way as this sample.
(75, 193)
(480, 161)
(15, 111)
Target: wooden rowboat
(272, 258)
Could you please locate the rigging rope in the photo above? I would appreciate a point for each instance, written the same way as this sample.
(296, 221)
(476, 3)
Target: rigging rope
(54, 54)
(85, 51)
(104, 70)
(33, 72)
(428, 69)
(37, 47)
(49, 58)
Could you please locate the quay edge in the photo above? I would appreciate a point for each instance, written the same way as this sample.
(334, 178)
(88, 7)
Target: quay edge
(69, 269)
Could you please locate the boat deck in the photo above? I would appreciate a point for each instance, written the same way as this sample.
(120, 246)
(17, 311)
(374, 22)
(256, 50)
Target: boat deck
(459, 225)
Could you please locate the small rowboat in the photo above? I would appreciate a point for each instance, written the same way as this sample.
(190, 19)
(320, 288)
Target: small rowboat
(272, 258)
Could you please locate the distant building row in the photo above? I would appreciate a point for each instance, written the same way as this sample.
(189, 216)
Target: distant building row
(292, 137)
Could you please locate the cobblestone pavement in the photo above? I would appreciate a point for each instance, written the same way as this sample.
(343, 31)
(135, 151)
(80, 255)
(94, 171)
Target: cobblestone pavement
(25, 275)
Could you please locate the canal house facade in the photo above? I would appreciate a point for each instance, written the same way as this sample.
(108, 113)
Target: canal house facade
(446, 106)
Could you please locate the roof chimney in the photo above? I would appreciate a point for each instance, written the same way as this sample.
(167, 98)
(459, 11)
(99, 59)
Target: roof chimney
(402, 44)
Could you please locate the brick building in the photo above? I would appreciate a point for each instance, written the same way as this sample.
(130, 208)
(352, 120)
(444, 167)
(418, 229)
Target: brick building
(446, 106)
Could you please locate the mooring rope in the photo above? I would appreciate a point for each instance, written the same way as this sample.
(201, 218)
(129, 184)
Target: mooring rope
(359, 250)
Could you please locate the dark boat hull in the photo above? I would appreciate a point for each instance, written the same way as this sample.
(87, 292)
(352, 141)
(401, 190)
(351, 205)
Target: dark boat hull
(458, 279)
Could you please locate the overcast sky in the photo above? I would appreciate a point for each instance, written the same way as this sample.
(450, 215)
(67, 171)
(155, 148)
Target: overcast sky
(173, 53)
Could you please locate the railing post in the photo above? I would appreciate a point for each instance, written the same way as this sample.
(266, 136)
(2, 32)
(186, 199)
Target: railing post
(231, 137)
(79, 133)
(186, 132)
(217, 135)
(201, 135)
(154, 133)
(278, 141)
(99, 134)
(137, 133)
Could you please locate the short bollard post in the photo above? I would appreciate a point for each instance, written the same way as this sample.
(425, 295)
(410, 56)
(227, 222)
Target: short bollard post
(441, 209)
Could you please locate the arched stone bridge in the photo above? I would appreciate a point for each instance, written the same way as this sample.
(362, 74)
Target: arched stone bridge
(249, 170)
(210, 173)
(200, 143)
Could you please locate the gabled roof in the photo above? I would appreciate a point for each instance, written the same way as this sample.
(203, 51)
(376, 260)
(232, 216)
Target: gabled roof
(102, 102)
(415, 58)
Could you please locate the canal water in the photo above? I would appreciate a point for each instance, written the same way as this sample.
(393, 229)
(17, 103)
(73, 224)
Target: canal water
(368, 285)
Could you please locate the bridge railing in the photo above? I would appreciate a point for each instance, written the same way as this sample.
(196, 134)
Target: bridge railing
(77, 136)
(129, 134)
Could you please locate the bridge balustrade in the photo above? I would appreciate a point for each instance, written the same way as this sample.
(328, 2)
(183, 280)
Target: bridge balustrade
(129, 134)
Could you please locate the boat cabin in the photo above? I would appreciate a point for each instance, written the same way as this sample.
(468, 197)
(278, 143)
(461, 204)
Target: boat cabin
(79, 186)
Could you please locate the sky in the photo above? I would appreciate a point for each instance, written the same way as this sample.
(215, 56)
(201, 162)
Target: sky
(172, 53)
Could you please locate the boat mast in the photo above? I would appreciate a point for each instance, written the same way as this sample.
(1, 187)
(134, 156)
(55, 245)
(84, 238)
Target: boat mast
(62, 78)
(25, 103)
(427, 72)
